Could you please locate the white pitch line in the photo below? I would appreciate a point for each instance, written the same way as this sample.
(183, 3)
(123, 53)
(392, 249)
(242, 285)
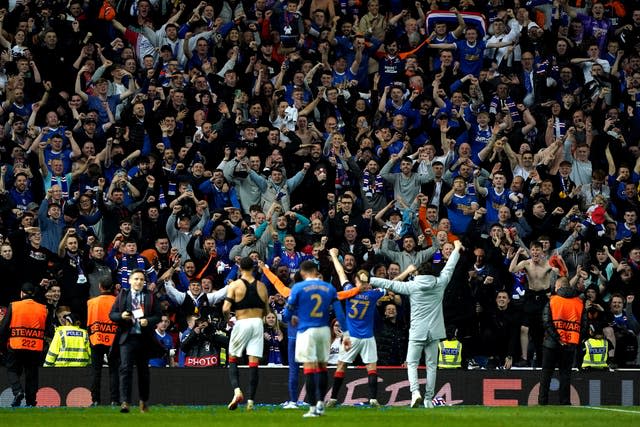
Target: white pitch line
(599, 408)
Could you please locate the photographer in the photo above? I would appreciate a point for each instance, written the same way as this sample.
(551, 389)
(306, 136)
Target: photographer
(204, 343)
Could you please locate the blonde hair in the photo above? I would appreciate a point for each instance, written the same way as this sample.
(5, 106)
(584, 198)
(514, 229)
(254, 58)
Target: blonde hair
(277, 326)
(599, 199)
(363, 276)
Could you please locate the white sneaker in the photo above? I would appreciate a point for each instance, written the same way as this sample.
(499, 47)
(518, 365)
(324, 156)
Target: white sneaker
(331, 403)
(250, 405)
(320, 408)
(428, 403)
(238, 397)
(289, 405)
(312, 413)
(374, 403)
(416, 399)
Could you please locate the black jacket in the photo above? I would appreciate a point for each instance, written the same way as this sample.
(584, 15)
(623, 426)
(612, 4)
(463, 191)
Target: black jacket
(551, 336)
(151, 312)
(391, 340)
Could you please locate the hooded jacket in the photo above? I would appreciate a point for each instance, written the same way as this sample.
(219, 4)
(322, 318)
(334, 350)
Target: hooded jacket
(425, 298)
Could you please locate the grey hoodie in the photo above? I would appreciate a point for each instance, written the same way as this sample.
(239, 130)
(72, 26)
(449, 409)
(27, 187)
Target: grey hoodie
(425, 298)
(389, 248)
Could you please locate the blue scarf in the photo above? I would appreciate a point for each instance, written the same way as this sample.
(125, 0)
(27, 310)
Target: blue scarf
(378, 185)
(274, 348)
(64, 185)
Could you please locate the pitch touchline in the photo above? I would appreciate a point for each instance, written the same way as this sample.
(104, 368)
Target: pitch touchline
(608, 409)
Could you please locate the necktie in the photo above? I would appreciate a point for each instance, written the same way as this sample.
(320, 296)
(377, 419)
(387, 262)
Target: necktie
(528, 84)
(135, 305)
(176, 49)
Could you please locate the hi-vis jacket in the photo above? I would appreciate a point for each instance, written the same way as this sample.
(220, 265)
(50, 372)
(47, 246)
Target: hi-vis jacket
(69, 348)
(27, 326)
(102, 330)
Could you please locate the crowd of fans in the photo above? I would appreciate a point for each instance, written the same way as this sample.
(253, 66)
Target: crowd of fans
(177, 137)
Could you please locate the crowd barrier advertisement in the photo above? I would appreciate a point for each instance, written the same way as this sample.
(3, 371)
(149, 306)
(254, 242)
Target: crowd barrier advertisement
(207, 386)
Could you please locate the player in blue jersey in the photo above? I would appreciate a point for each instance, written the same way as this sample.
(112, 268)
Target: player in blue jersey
(308, 308)
(292, 332)
(360, 312)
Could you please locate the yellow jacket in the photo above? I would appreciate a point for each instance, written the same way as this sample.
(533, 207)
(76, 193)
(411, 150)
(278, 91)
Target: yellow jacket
(69, 348)
(450, 354)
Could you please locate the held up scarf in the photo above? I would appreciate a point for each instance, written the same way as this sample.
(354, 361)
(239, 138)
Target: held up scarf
(123, 270)
(367, 187)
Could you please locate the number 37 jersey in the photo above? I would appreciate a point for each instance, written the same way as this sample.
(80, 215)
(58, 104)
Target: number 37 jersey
(360, 312)
(311, 301)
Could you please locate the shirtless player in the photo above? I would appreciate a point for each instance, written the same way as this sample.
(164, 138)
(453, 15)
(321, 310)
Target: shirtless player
(248, 298)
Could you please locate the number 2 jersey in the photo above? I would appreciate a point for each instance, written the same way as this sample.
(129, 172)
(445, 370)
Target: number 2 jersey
(361, 310)
(311, 300)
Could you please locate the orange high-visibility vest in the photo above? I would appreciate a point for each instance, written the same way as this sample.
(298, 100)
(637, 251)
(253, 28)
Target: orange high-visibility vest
(102, 330)
(567, 315)
(28, 320)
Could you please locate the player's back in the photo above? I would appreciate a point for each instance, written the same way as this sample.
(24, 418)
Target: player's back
(312, 299)
(361, 311)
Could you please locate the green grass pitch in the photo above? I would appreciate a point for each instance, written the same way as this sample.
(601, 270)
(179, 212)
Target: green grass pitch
(268, 415)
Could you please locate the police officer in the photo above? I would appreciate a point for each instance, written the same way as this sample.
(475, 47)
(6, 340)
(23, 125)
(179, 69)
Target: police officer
(24, 327)
(596, 351)
(70, 345)
(450, 354)
(102, 332)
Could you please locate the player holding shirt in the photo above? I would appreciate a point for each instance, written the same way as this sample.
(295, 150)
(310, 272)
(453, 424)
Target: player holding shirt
(360, 313)
(308, 307)
(292, 332)
(247, 297)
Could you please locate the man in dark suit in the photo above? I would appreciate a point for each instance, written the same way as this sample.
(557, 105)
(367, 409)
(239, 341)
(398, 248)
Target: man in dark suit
(137, 312)
(437, 188)
(532, 77)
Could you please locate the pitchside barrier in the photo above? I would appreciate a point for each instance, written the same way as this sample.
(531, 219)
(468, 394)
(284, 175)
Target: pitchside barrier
(207, 386)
